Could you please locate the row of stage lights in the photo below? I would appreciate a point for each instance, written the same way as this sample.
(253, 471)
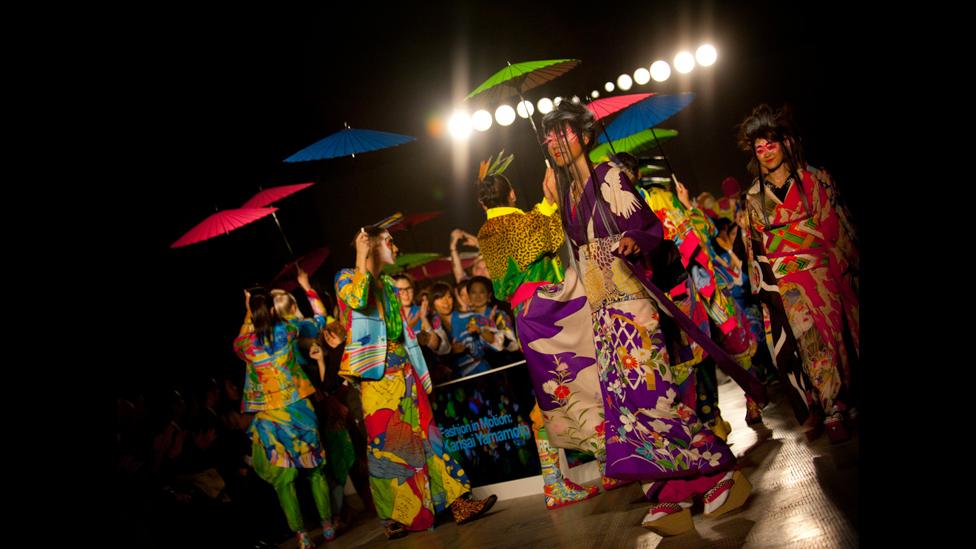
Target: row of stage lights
(460, 124)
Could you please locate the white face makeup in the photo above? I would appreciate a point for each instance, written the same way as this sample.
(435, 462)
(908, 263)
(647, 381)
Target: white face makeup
(385, 250)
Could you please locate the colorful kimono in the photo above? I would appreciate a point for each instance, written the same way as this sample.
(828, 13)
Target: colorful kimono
(276, 387)
(412, 478)
(284, 431)
(726, 207)
(803, 262)
(701, 298)
(552, 322)
(651, 435)
(730, 276)
(335, 438)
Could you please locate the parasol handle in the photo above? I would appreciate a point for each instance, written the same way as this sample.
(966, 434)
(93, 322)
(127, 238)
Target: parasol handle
(603, 128)
(666, 161)
(283, 237)
(535, 130)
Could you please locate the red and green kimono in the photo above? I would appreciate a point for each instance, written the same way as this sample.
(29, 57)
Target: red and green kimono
(803, 262)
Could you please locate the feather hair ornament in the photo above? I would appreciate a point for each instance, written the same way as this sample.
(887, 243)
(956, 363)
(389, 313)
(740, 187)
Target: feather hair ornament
(489, 168)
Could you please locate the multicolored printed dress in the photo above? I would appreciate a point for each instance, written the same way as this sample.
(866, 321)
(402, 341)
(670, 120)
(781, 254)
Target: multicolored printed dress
(276, 387)
(411, 477)
(284, 430)
(805, 255)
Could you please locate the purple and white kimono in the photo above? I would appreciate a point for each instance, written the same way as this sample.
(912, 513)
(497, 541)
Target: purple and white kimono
(650, 435)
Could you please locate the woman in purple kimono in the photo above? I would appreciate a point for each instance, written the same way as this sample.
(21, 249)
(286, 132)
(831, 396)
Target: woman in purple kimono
(650, 434)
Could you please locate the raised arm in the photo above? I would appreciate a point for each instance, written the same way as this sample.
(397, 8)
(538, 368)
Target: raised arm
(456, 267)
(352, 286)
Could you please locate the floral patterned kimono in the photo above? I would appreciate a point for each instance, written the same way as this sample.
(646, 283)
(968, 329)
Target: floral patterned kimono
(804, 255)
(411, 477)
(553, 324)
(651, 435)
(554, 332)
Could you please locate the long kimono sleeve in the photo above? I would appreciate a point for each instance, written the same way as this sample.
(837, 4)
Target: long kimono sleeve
(703, 223)
(632, 215)
(241, 344)
(846, 249)
(352, 287)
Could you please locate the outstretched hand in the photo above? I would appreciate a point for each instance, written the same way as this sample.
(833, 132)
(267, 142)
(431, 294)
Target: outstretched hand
(456, 234)
(333, 340)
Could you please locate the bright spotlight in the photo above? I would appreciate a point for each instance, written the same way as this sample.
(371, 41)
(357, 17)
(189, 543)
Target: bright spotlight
(608, 86)
(706, 55)
(624, 82)
(525, 109)
(545, 105)
(505, 115)
(660, 71)
(481, 120)
(594, 94)
(642, 76)
(684, 62)
(459, 125)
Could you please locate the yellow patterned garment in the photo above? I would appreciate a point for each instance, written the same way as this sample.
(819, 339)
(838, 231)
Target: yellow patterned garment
(411, 477)
(518, 247)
